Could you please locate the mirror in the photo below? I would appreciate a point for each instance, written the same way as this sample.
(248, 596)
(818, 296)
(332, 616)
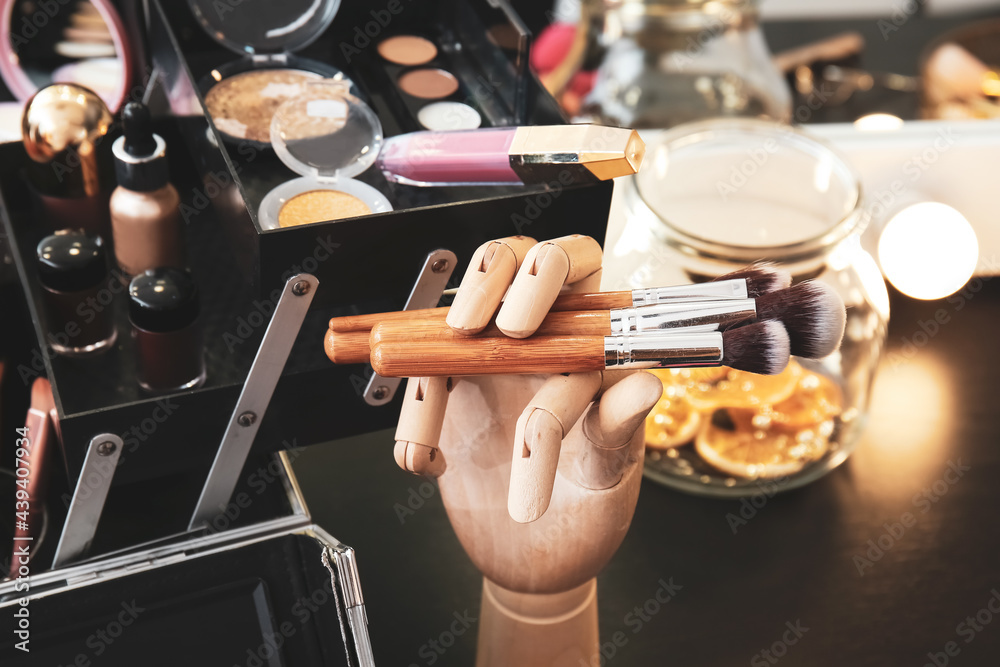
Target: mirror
(64, 41)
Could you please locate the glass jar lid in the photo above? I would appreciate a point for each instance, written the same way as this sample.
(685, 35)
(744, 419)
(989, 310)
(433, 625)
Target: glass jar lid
(747, 188)
(326, 133)
(264, 26)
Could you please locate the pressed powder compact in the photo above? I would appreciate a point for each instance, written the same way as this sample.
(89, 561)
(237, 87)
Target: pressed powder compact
(241, 96)
(328, 136)
(242, 105)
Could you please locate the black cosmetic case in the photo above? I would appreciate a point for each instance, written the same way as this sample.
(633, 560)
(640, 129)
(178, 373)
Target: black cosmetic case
(230, 593)
(270, 589)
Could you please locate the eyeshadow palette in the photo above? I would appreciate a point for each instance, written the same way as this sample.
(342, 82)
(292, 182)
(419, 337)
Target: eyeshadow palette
(460, 74)
(430, 92)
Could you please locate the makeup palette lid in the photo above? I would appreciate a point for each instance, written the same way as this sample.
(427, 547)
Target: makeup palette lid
(326, 133)
(252, 27)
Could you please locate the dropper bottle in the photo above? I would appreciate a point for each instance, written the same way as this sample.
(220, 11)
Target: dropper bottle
(145, 207)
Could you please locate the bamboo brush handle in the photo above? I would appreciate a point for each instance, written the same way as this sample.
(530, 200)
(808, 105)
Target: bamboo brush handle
(354, 347)
(366, 322)
(581, 323)
(488, 356)
(347, 347)
(593, 301)
(566, 302)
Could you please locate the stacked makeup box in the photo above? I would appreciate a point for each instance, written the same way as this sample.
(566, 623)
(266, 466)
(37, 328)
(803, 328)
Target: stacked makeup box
(416, 66)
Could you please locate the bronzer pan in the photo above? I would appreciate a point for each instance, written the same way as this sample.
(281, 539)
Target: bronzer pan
(429, 83)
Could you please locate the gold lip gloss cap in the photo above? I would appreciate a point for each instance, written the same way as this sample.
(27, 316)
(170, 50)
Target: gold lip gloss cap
(605, 152)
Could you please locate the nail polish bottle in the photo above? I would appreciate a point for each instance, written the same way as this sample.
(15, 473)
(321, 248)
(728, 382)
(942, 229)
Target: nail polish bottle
(73, 271)
(145, 207)
(163, 310)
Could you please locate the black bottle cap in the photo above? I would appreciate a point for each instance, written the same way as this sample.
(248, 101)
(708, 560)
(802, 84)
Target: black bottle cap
(72, 261)
(162, 300)
(137, 126)
(140, 155)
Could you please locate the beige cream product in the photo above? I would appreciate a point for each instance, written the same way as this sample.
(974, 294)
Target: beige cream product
(145, 207)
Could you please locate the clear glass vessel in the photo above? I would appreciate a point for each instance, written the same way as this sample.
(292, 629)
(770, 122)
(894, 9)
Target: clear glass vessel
(666, 62)
(712, 197)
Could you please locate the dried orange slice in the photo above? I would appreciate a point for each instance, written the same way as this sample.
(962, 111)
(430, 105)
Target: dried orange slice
(759, 453)
(814, 400)
(672, 421)
(690, 376)
(739, 389)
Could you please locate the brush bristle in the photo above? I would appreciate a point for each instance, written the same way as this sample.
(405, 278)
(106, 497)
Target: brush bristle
(761, 348)
(813, 314)
(761, 279)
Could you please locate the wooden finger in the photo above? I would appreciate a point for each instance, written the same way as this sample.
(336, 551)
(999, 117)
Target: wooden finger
(609, 425)
(543, 424)
(546, 268)
(419, 427)
(491, 270)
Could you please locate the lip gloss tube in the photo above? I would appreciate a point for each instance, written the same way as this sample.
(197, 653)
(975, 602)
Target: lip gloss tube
(566, 154)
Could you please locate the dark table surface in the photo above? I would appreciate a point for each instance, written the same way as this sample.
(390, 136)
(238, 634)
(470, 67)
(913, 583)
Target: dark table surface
(805, 557)
(830, 557)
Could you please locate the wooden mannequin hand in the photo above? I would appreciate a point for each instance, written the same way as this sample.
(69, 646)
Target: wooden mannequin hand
(539, 474)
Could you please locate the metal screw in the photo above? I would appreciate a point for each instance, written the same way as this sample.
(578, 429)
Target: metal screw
(440, 266)
(106, 448)
(380, 392)
(300, 288)
(247, 418)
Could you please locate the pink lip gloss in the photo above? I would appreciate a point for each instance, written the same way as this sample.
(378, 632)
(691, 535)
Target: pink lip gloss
(511, 155)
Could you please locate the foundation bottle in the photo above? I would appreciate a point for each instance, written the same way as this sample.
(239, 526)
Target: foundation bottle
(145, 207)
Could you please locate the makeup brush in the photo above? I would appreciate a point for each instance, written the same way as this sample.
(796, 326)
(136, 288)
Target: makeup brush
(747, 283)
(812, 313)
(750, 282)
(757, 348)
(354, 347)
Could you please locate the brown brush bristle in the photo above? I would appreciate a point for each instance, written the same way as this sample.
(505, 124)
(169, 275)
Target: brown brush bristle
(761, 278)
(761, 348)
(813, 314)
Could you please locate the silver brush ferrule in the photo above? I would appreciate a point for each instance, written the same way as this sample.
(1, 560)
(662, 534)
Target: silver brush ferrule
(734, 288)
(673, 350)
(667, 316)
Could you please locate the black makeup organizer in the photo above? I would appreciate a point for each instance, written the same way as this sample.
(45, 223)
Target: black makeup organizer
(365, 264)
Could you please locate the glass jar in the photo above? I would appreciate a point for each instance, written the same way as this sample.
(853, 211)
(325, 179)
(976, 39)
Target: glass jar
(666, 62)
(711, 198)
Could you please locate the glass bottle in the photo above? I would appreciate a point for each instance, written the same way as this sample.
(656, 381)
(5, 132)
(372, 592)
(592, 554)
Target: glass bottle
(666, 62)
(711, 198)
(164, 310)
(73, 272)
